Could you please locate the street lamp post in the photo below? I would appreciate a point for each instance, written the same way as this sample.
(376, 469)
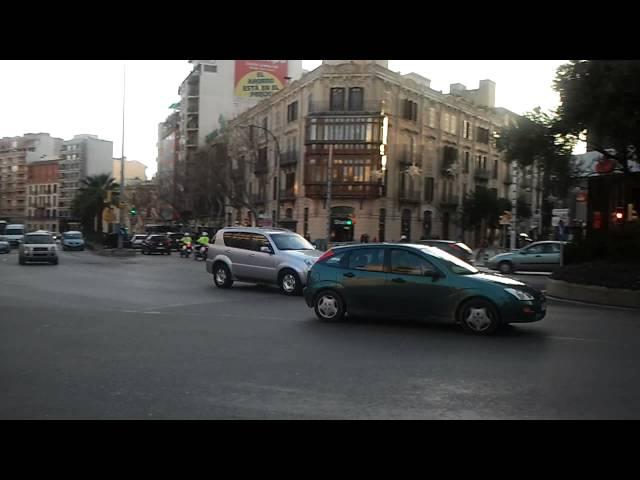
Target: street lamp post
(121, 196)
(275, 139)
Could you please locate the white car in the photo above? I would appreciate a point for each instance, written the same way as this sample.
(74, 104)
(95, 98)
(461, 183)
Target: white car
(38, 247)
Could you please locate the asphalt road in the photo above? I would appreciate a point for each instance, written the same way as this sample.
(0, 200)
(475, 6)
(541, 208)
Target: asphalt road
(152, 338)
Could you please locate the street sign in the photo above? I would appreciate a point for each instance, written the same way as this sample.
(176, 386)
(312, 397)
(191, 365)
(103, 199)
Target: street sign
(505, 218)
(559, 214)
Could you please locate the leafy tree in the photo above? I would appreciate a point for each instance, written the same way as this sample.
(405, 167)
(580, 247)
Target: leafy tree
(535, 142)
(92, 198)
(481, 208)
(601, 97)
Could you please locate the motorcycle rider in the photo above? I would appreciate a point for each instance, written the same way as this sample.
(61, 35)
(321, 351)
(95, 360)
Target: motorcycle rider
(203, 241)
(185, 241)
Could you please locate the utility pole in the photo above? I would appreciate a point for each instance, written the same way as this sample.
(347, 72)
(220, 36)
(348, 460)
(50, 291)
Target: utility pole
(329, 184)
(121, 196)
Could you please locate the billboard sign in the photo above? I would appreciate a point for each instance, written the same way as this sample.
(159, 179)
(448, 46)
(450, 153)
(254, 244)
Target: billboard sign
(259, 79)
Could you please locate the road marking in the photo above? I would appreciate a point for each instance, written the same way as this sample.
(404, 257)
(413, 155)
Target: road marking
(153, 312)
(577, 339)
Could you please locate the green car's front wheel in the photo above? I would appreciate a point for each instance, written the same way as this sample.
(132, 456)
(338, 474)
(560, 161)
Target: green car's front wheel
(478, 316)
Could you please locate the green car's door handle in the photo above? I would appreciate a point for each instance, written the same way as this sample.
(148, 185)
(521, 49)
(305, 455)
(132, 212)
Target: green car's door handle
(398, 280)
(349, 275)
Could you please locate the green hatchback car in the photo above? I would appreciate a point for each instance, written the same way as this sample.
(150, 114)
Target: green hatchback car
(417, 282)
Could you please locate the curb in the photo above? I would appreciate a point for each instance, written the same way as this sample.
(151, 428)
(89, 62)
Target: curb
(594, 295)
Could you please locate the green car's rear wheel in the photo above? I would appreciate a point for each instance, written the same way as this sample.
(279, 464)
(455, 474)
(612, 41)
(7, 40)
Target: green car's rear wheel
(329, 306)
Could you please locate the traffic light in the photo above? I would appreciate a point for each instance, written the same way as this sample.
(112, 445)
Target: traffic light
(618, 216)
(348, 222)
(133, 212)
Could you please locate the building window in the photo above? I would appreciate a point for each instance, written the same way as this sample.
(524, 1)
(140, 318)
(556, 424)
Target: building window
(466, 129)
(337, 99)
(495, 169)
(275, 187)
(482, 135)
(356, 95)
(305, 227)
(210, 68)
(265, 125)
(292, 112)
(465, 165)
(405, 223)
(428, 189)
(409, 110)
(432, 117)
(453, 127)
(427, 224)
(381, 224)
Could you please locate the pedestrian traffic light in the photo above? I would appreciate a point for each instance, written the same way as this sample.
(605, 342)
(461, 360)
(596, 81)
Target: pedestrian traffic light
(348, 222)
(133, 212)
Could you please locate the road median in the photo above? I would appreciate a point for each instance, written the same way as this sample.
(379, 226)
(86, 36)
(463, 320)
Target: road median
(615, 297)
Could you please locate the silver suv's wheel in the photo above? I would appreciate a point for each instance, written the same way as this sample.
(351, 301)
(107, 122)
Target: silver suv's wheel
(222, 276)
(329, 306)
(290, 283)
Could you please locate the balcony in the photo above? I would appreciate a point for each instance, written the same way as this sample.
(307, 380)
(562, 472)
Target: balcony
(409, 197)
(344, 190)
(261, 166)
(287, 194)
(325, 108)
(449, 201)
(289, 158)
(482, 174)
(258, 199)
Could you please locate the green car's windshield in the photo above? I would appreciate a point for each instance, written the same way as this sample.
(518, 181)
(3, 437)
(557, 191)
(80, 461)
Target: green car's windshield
(457, 266)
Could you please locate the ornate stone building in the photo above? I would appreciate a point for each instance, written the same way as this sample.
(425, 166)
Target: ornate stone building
(403, 154)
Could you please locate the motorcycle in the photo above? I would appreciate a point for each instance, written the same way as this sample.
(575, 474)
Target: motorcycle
(186, 250)
(201, 252)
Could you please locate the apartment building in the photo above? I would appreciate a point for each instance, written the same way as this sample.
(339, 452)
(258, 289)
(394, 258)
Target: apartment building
(83, 156)
(403, 154)
(134, 171)
(16, 153)
(42, 196)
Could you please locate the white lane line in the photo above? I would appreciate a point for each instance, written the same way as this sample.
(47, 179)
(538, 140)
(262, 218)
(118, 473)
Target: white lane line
(578, 339)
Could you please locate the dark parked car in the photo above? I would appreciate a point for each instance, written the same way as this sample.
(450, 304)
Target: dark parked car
(175, 240)
(157, 243)
(417, 282)
(457, 249)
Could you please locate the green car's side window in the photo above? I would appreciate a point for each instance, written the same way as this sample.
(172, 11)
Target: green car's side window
(407, 263)
(367, 259)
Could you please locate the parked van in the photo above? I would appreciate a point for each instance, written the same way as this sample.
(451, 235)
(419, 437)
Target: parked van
(14, 234)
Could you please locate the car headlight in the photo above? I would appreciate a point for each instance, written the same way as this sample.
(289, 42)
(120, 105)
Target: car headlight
(519, 294)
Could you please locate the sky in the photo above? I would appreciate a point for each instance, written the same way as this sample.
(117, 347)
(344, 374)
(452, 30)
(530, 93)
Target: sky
(69, 97)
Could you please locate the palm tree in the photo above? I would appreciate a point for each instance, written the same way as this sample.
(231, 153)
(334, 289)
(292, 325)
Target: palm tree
(92, 198)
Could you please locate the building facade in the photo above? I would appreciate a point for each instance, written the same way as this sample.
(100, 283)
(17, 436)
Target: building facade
(403, 155)
(167, 162)
(82, 156)
(42, 196)
(134, 171)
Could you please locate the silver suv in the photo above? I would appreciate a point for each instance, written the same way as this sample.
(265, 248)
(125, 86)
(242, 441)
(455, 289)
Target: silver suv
(38, 246)
(261, 255)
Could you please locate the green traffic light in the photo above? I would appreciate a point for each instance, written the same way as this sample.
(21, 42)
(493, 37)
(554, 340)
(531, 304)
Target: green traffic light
(348, 222)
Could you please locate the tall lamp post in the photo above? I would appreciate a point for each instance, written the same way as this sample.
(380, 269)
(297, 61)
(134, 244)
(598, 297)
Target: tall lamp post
(275, 139)
(121, 196)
